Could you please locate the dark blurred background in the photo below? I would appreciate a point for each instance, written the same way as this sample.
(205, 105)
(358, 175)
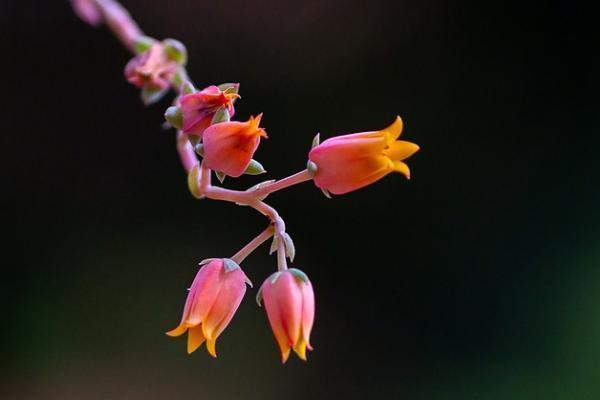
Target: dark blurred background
(478, 279)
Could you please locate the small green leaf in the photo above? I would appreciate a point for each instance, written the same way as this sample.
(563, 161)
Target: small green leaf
(220, 176)
(151, 96)
(316, 141)
(174, 116)
(222, 115)
(143, 44)
(254, 168)
(176, 51)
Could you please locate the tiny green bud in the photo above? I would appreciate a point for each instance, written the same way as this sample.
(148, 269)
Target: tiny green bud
(254, 168)
(176, 51)
(174, 116)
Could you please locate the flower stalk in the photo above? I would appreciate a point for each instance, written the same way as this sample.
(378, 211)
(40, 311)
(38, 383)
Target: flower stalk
(253, 245)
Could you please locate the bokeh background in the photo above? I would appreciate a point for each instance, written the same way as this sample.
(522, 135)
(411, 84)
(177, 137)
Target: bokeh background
(478, 279)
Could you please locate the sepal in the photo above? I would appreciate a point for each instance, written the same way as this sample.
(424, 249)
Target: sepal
(326, 193)
(220, 176)
(299, 274)
(228, 88)
(194, 181)
(230, 265)
(222, 115)
(176, 51)
(255, 168)
(316, 141)
(312, 168)
(274, 244)
(142, 44)
(206, 261)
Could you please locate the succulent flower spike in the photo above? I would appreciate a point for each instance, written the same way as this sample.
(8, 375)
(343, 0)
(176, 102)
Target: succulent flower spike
(213, 298)
(229, 146)
(290, 303)
(350, 162)
(153, 69)
(199, 108)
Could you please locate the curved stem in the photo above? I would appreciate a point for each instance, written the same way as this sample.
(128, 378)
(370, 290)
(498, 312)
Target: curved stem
(291, 180)
(253, 245)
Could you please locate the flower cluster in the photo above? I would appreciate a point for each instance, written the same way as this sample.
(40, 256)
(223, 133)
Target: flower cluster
(210, 142)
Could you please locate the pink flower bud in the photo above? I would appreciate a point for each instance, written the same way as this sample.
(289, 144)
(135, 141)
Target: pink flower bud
(350, 162)
(229, 146)
(199, 108)
(87, 11)
(213, 298)
(152, 69)
(290, 303)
